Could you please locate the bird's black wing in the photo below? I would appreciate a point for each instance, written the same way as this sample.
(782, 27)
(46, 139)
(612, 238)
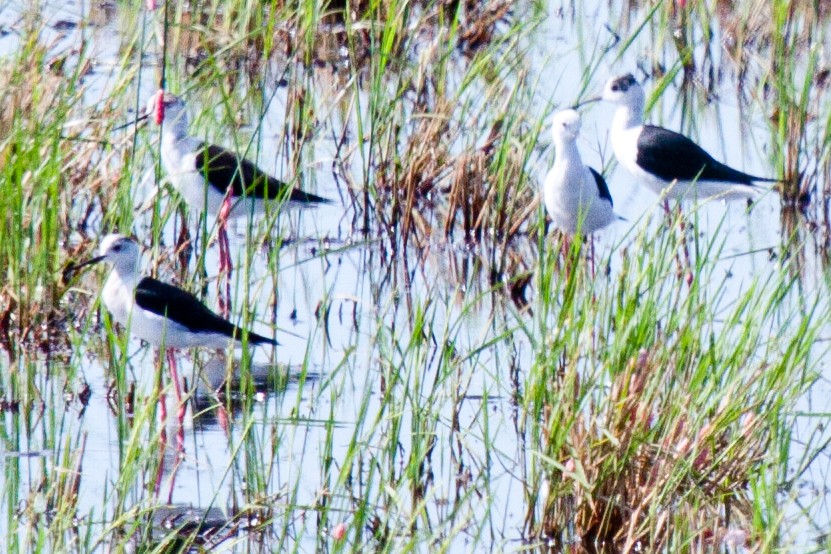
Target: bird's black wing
(670, 155)
(185, 309)
(223, 168)
(602, 187)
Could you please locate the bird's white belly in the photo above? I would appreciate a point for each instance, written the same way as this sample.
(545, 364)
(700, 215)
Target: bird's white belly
(119, 299)
(707, 190)
(192, 186)
(158, 331)
(625, 145)
(571, 198)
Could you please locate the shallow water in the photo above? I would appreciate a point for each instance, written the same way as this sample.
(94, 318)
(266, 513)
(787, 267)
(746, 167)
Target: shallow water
(345, 303)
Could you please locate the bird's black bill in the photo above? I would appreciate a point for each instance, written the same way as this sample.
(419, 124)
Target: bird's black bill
(72, 269)
(588, 101)
(132, 123)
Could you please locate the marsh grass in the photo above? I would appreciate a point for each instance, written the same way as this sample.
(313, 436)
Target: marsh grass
(625, 459)
(468, 388)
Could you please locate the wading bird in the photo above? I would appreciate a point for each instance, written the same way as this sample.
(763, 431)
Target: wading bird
(576, 196)
(213, 179)
(161, 314)
(667, 162)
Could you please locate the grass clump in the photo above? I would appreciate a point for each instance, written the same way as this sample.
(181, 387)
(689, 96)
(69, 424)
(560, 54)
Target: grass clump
(653, 403)
(644, 406)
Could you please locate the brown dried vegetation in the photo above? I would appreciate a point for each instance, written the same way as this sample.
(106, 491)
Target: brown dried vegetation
(629, 472)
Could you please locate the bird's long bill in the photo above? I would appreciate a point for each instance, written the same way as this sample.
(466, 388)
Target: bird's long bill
(72, 269)
(142, 117)
(587, 101)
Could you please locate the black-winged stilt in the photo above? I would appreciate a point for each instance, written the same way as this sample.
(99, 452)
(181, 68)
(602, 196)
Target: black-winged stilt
(576, 196)
(213, 179)
(159, 313)
(668, 162)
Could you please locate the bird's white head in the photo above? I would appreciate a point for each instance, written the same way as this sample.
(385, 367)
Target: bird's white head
(565, 126)
(122, 252)
(624, 90)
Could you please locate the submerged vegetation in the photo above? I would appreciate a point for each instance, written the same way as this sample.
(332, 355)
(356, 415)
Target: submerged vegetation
(451, 375)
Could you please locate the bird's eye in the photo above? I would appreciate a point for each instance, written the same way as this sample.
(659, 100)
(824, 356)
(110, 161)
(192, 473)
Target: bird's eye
(116, 247)
(615, 88)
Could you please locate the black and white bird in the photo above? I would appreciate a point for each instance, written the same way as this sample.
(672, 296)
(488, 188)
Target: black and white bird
(162, 314)
(575, 195)
(157, 312)
(212, 179)
(667, 162)
(207, 175)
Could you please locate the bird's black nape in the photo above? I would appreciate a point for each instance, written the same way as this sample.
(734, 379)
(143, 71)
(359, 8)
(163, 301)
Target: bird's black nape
(623, 83)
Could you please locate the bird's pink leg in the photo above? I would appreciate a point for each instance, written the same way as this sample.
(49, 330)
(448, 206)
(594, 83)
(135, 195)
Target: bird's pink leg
(565, 247)
(565, 251)
(682, 229)
(222, 418)
(222, 235)
(225, 265)
(591, 256)
(181, 406)
(162, 436)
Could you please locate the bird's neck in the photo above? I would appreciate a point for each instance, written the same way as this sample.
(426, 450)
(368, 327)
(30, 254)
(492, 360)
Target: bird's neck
(174, 131)
(118, 293)
(566, 152)
(628, 116)
(176, 144)
(119, 279)
(126, 272)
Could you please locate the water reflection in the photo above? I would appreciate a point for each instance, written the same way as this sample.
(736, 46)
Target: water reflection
(353, 300)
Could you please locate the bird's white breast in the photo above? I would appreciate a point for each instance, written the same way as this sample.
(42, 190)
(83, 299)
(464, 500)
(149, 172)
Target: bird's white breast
(625, 146)
(118, 295)
(572, 199)
(179, 160)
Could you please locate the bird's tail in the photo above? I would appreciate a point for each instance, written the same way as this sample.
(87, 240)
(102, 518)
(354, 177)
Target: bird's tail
(255, 339)
(765, 179)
